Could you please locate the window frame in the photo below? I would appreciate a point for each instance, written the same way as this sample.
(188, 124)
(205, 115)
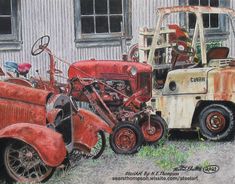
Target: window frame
(101, 39)
(220, 33)
(13, 41)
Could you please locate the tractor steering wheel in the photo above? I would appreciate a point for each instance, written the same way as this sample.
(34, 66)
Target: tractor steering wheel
(40, 45)
(182, 48)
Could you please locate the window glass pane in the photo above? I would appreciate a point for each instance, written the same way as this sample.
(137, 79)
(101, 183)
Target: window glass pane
(206, 22)
(192, 20)
(101, 24)
(115, 23)
(86, 7)
(214, 20)
(87, 24)
(204, 2)
(115, 6)
(194, 2)
(5, 25)
(214, 3)
(5, 7)
(101, 6)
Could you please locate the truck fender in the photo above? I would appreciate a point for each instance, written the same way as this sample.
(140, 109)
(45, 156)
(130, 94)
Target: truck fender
(48, 143)
(86, 128)
(94, 120)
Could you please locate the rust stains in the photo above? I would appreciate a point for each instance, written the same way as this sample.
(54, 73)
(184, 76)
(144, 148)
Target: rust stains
(19, 81)
(50, 146)
(12, 112)
(199, 9)
(23, 94)
(86, 127)
(224, 84)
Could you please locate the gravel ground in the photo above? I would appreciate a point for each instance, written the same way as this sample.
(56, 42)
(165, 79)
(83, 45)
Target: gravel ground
(110, 165)
(136, 167)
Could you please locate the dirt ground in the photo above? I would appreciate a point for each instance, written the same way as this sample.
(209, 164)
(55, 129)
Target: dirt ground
(132, 169)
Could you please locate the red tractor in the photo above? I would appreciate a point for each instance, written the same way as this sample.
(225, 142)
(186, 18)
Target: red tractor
(116, 90)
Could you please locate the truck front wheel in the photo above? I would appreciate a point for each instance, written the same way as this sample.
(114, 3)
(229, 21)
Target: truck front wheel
(216, 122)
(23, 163)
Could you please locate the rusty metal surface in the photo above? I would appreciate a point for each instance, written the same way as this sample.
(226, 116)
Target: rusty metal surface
(21, 104)
(12, 112)
(199, 9)
(152, 131)
(110, 70)
(23, 94)
(86, 128)
(46, 142)
(222, 82)
(125, 139)
(19, 81)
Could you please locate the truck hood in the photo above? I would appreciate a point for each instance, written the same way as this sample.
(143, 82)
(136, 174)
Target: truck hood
(24, 94)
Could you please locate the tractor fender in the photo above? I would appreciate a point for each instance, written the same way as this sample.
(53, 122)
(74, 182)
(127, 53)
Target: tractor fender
(48, 143)
(86, 126)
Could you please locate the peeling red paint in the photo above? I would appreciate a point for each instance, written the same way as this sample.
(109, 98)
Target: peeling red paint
(19, 81)
(86, 127)
(23, 94)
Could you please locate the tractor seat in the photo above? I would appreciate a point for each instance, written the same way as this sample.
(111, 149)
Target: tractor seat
(11, 66)
(217, 53)
(24, 68)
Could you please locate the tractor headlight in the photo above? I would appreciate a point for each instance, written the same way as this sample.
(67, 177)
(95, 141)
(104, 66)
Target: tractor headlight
(132, 70)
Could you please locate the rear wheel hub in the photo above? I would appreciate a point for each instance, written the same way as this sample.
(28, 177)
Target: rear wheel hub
(215, 122)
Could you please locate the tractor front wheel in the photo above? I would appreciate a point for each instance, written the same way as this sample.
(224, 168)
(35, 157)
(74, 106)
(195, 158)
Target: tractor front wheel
(217, 122)
(155, 130)
(126, 138)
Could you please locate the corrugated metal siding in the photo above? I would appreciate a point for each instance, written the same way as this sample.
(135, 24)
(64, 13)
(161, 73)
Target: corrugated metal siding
(230, 42)
(144, 13)
(56, 18)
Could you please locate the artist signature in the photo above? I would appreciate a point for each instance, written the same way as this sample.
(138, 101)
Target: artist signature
(209, 169)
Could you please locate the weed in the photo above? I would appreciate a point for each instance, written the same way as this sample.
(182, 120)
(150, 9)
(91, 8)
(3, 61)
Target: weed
(205, 163)
(167, 156)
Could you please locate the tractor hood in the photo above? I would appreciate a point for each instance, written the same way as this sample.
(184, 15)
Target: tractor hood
(24, 94)
(111, 69)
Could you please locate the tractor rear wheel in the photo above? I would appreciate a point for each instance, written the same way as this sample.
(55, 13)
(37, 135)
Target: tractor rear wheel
(155, 131)
(126, 138)
(216, 122)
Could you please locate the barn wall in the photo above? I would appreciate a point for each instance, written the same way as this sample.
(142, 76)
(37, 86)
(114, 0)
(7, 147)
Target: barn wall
(56, 18)
(230, 42)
